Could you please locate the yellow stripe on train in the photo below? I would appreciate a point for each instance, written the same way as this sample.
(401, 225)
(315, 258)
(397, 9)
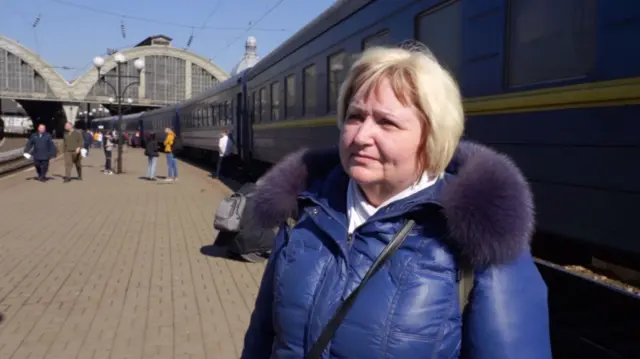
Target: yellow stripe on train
(596, 94)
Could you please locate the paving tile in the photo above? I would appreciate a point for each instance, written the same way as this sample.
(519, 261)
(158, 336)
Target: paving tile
(110, 267)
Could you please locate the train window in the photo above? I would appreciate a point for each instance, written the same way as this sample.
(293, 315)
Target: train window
(223, 112)
(256, 108)
(441, 31)
(211, 115)
(290, 96)
(223, 115)
(275, 101)
(232, 113)
(263, 104)
(309, 90)
(337, 73)
(379, 39)
(550, 40)
(229, 117)
(226, 113)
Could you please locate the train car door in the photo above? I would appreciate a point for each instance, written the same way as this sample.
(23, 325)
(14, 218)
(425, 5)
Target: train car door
(239, 132)
(176, 121)
(243, 126)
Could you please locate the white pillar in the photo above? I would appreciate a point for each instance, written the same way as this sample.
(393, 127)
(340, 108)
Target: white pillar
(71, 112)
(142, 86)
(187, 79)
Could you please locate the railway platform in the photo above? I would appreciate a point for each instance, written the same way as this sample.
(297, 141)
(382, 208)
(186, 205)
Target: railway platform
(113, 266)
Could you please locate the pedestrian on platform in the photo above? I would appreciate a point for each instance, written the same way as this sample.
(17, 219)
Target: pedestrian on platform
(224, 148)
(109, 145)
(73, 143)
(462, 282)
(43, 150)
(87, 140)
(151, 151)
(171, 159)
(98, 138)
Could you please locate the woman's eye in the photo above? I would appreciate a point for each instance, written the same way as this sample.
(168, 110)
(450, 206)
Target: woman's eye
(354, 117)
(387, 123)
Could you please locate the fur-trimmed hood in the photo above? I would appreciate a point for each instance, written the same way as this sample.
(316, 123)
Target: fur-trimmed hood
(487, 202)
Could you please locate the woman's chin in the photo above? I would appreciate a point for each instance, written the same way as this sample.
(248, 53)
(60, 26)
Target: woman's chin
(363, 175)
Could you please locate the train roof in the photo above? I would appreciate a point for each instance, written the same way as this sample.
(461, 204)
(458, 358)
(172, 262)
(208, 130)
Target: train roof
(131, 116)
(158, 110)
(230, 82)
(335, 14)
(221, 86)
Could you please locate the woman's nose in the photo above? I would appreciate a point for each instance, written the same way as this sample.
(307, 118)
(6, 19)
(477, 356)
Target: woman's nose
(365, 132)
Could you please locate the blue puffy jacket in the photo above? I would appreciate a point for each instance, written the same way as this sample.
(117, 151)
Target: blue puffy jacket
(480, 212)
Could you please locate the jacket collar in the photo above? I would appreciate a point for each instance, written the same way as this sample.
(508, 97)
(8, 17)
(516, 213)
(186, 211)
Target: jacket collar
(485, 198)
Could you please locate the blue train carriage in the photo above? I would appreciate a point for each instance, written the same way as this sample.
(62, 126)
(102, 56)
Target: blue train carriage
(107, 123)
(292, 92)
(566, 117)
(132, 127)
(130, 124)
(206, 115)
(554, 84)
(156, 121)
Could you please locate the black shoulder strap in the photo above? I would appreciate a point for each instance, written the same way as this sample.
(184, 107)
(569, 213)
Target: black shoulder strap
(465, 284)
(341, 313)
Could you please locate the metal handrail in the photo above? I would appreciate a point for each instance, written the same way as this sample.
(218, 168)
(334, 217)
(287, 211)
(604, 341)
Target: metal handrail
(11, 155)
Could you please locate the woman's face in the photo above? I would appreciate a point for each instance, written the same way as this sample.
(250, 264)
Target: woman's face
(379, 140)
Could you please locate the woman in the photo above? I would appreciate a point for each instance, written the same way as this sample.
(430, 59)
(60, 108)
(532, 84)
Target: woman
(151, 151)
(171, 160)
(108, 152)
(399, 158)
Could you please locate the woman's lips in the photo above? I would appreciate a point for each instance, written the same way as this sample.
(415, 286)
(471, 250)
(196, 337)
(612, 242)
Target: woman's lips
(360, 157)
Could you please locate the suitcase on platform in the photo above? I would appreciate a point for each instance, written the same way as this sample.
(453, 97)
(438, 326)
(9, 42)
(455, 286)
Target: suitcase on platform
(251, 244)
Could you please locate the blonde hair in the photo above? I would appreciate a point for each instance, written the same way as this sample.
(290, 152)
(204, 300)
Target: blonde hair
(417, 80)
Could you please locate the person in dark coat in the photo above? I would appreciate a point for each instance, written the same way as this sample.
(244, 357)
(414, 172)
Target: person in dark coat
(87, 140)
(73, 143)
(151, 151)
(400, 162)
(43, 150)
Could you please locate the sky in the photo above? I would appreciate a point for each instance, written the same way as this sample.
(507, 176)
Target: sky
(68, 34)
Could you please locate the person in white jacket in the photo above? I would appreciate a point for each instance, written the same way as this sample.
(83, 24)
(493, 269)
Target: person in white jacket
(224, 148)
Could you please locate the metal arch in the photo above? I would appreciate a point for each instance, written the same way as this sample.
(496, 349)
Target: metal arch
(59, 86)
(83, 84)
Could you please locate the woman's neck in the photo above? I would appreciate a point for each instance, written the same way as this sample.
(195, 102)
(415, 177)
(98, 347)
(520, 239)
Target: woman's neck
(378, 194)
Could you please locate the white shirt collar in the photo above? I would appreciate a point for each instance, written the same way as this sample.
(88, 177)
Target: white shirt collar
(359, 210)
